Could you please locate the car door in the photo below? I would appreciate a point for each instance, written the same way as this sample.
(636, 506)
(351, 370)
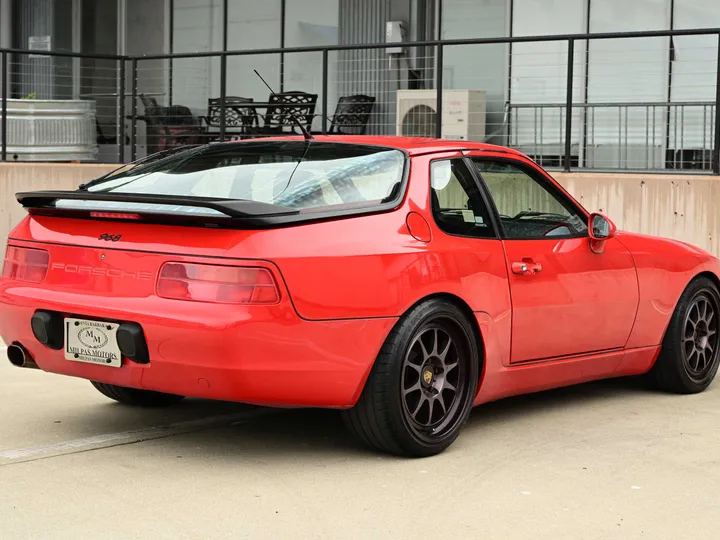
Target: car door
(566, 300)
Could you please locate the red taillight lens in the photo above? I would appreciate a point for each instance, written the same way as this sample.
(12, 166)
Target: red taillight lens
(25, 264)
(217, 284)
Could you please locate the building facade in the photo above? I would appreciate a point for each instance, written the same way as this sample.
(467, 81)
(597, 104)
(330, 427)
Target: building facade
(638, 103)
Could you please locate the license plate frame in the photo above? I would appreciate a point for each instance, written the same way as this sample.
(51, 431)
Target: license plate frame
(92, 342)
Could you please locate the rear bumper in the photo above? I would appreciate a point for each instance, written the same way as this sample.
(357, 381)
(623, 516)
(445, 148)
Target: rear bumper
(260, 355)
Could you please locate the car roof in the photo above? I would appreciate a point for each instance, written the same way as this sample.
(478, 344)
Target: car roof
(412, 145)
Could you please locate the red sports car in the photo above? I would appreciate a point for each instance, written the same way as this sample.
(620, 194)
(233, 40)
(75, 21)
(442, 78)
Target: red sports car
(401, 280)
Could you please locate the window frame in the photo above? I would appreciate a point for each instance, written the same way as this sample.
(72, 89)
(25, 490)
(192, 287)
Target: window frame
(489, 205)
(535, 174)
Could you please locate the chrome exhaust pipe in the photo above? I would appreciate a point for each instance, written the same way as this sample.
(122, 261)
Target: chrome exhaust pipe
(20, 357)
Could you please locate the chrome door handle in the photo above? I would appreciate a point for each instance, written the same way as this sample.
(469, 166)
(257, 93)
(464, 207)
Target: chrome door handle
(527, 268)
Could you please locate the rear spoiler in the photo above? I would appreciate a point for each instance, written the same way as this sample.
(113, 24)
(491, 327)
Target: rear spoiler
(249, 212)
(234, 213)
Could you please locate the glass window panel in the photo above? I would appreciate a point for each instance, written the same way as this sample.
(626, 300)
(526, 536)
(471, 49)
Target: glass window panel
(539, 74)
(527, 207)
(197, 27)
(253, 25)
(457, 206)
(311, 23)
(478, 67)
(693, 80)
(627, 71)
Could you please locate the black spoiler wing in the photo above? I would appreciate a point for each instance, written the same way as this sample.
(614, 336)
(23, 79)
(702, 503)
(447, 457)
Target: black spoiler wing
(233, 213)
(235, 210)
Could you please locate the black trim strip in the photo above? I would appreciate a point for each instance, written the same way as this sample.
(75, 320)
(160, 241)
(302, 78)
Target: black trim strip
(570, 357)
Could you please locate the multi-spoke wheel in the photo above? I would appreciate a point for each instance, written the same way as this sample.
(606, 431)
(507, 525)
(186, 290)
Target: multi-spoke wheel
(432, 375)
(689, 357)
(700, 338)
(421, 388)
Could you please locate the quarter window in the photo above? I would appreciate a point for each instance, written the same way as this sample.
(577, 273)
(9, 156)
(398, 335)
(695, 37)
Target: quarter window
(528, 207)
(457, 205)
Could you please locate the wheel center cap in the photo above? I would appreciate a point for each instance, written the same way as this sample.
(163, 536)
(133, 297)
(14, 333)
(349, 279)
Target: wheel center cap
(427, 376)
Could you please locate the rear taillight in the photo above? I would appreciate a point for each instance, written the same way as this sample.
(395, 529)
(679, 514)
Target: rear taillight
(24, 264)
(217, 284)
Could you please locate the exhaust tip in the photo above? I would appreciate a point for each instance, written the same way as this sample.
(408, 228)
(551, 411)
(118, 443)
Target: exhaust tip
(16, 355)
(19, 357)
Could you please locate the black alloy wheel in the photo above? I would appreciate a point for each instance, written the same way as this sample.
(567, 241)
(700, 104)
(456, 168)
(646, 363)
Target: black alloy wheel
(690, 353)
(433, 380)
(700, 337)
(422, 386)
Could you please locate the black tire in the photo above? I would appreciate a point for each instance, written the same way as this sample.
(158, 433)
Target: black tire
(689, 358)
(383, 418)
(135, 397)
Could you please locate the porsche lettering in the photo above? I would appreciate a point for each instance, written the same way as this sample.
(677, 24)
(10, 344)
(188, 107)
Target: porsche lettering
(101, 271)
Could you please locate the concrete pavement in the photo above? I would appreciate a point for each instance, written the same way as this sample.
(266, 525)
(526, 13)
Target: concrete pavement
(605, 460)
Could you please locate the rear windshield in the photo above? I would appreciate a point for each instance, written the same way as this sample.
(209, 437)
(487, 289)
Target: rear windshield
(310, 176)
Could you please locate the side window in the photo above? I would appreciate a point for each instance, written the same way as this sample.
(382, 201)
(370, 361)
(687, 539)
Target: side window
(457, 206)
(529, 208)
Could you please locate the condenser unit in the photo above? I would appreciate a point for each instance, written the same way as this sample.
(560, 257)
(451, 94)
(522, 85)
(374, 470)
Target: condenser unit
(463, 114)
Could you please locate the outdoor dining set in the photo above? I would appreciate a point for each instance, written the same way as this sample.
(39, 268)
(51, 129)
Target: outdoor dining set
(176, 125)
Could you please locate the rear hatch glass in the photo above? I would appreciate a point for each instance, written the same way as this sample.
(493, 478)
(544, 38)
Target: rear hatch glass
(305, 176)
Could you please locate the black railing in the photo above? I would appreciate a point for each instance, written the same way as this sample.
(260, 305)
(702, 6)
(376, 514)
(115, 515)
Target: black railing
(3, 94)
(435, 80)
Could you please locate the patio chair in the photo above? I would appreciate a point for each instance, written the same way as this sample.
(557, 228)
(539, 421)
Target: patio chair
(239, 118)
(155, 130)
(352, 115)
(282, 107)
(150, 103)
(181, 127)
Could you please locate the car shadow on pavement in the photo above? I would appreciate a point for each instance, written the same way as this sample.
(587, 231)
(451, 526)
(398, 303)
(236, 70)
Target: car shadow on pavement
(237, 431)
(541, 403)
(113, 417)
(280, 433)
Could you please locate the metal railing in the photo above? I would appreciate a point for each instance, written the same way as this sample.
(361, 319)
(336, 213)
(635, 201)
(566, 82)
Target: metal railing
(579, 122)
(634, 133)
(45, 113)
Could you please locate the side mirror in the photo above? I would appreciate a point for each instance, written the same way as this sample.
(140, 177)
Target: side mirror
(601, 229)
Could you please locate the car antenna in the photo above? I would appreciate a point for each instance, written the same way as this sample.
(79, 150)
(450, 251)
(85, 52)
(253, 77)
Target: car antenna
(304, 130)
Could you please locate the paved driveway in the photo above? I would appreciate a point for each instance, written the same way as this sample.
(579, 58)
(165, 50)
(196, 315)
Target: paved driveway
(605, 460)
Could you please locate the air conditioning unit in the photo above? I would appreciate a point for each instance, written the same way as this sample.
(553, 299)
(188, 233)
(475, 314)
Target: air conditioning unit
(463, 114)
